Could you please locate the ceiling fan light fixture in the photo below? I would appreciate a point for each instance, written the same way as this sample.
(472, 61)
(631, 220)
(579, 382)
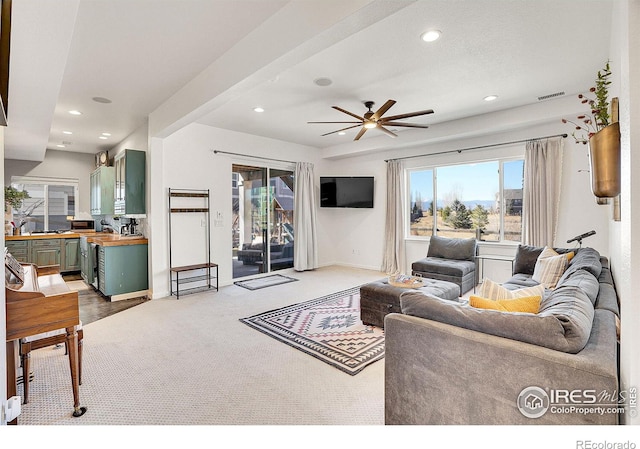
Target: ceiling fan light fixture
(370, 125)
(431, 35)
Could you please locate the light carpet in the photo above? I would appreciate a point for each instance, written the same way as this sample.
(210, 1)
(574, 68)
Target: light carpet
(168, 362)
(327, 328)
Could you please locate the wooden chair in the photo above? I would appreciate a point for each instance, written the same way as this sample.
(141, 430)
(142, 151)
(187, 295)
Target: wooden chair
(44, 340)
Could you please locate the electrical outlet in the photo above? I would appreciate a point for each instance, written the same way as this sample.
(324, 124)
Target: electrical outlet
(11, 409)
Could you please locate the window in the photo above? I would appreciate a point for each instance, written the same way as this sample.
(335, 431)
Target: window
(51, 202)
(467, 200)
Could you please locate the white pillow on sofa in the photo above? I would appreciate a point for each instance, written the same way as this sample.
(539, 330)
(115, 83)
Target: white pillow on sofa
(550, 267)
(492, 290)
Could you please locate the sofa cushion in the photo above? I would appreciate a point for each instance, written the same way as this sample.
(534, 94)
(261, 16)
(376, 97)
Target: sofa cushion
(526, 258)
(451, 248)
(492, 290)
(448, 267)
(520, 280)
(525, 304)
(586, 259)
(563, 322)
(550, 267)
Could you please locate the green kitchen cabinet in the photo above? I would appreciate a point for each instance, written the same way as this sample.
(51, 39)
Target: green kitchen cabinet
(102, 191)
(70, 260)
(130, 185)
(122, 269)
(18, 249)
(45, 252)
(42, 252)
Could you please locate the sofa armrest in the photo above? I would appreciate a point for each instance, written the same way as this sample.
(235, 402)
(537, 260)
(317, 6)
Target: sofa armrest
(437, 373)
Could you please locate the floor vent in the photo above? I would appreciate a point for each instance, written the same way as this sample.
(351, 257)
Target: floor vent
(546, 97)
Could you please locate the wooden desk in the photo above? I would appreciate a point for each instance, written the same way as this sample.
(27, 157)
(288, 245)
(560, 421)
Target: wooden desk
(42, 303)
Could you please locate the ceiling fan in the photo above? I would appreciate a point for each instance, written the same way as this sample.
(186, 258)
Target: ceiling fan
(372, 119)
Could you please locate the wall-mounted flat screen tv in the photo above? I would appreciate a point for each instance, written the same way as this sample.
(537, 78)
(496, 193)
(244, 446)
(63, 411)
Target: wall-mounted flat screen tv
(346, 191)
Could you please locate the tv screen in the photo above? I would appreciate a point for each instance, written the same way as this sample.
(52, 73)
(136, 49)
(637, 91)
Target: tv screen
(346, 191)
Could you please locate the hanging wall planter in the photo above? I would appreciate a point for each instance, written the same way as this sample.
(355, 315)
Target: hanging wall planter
(604, 158)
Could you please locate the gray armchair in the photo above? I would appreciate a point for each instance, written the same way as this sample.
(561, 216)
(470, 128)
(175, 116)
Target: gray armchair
(449, 259)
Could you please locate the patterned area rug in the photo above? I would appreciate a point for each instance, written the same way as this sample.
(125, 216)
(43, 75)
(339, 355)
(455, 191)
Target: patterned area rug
(266, 281)
(328, 328)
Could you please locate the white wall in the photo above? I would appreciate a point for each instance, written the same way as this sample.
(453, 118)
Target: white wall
(624, 238)
(186, 161)
(58, 164)
(356, 236)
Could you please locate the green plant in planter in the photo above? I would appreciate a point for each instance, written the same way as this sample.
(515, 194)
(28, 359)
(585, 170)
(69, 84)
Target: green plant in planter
(588, 125)
(15, 197)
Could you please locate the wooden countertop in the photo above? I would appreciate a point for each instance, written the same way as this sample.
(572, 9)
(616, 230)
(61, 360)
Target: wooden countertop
(100, 238)
(106, 239)
(66, 235)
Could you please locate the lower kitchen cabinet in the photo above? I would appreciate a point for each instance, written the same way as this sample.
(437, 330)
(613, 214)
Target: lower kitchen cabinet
(71, 260)
(122, 269)
(45, 252)
(18, 249)
(64, 252)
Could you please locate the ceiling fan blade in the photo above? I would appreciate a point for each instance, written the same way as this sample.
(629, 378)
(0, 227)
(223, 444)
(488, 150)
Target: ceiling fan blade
(348, 113)
(410, 114)
(408, 125)
(385, 107)
(362, 131)
(336, 122)
(343, 129)
(386, 131)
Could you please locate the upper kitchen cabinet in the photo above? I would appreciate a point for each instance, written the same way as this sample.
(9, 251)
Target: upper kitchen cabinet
(102, 188)
(130, 182)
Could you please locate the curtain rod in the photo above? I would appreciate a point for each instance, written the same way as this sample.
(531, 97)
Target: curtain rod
(250, 156)
(475, 148)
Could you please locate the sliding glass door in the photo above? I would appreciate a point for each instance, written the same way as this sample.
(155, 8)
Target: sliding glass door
(263, 232)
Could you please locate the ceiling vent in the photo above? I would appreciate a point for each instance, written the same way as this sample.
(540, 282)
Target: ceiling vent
(547, 97)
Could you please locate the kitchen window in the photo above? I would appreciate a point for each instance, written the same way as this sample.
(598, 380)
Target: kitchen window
(52, 201)
(481, 199)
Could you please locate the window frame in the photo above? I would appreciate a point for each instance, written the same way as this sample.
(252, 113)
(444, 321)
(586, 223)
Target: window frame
(46, 182)
(434, 168)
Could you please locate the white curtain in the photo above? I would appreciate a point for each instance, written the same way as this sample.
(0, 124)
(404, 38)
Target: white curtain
(541, 196)
(305, 256)
(394, 259)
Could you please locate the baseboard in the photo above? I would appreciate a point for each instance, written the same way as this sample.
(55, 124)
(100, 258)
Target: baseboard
(123, 296)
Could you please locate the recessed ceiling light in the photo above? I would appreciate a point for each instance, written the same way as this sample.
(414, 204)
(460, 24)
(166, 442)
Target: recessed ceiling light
(102, 137)
(106, 134)
(101, 100)
(430, 36)
(258, 109)
(60, 146)
(323, 82)
(341, 133)
(67, 132)
(490, 98)
(75, 112)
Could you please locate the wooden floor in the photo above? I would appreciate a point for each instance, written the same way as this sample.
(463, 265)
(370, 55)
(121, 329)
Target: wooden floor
(93, 305)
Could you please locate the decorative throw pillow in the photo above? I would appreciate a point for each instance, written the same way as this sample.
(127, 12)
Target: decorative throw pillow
(550, 267)
(492, 290)
(527, 304)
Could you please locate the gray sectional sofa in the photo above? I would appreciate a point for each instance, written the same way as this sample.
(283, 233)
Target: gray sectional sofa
(450, 363)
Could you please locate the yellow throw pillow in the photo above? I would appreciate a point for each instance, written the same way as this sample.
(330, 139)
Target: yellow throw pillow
(492, 290)
(550, 267)
(527, 304)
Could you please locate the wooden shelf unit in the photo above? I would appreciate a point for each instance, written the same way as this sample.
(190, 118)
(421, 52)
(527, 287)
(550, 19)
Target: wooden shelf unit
(209, 268)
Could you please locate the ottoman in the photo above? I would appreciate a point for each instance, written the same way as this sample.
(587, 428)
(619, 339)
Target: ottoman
(377, 299)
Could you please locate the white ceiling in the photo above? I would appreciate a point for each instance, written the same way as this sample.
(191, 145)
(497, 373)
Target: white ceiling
(140, 54)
